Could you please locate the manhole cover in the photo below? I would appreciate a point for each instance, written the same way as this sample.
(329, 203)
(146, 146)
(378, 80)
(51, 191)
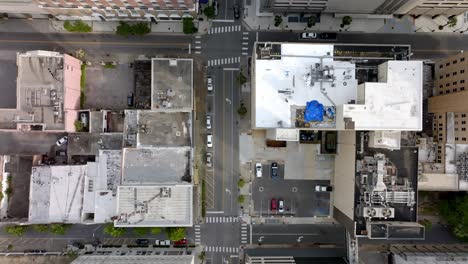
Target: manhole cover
(294, 189)
(260, 189)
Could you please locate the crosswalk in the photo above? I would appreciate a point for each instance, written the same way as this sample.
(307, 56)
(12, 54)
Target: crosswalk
(221, 219)
(222, 249)
(197, 235)
(244, 234)
(197, 46)
(223, 61)
(225, 29)
(245, 43)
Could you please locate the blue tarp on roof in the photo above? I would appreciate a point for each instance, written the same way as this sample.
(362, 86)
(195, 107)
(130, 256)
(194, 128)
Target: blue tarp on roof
(313, 111)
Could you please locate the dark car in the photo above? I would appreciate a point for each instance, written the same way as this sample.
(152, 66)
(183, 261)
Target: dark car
(329, 36)
(274, 170)
(142, 242)
(236, 9)
(130, 100)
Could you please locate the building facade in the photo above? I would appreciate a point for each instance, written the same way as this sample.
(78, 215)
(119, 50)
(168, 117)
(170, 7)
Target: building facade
(105, 10)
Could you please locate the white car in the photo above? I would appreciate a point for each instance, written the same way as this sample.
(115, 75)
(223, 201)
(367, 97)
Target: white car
(62, 141)
(209, 140)
(280, 206)
(323, 188)
(258, 169)
(208, 122)
(309, 35)
(209, 82)
(162, 242)
(209, 160)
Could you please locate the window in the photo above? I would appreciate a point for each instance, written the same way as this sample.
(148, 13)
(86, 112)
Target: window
(463, 115)
(454, 62)
(441, 86)
(439, 147)
(440, 139)
(463, 128)
(441, 77)
(462, 88)
(456, 115)
(439, 151)
(462, 81)
(447, 84)
(456, 138)
(447, 75)
(454, 83)
(462, 71)
(454, 89)
(464, 139)
(441, 92)
(441, 66)
(454, 73)
(447, 64)
(463, 122)
(462, 59)
(456, 129)
(440, 128)
(440, 117)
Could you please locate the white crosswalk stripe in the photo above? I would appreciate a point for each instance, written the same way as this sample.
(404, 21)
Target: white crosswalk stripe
(244, 231)
(224, 61)
(225, 29)
(197, 235)
(245, 53)
(222, 249)
(221, 219)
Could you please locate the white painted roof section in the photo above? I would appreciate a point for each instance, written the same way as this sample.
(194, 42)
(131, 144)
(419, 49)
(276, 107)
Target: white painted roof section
(273, 77)
(394, 103)
(155, 205)
(56, 194)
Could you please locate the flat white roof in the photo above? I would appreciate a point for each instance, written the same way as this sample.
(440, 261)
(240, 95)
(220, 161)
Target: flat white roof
(393, 103)
(155, 205)
(56, 194)
(284, 84)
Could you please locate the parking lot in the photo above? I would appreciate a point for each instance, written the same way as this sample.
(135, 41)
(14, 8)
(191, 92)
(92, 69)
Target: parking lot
(108, 88)
(299, 196)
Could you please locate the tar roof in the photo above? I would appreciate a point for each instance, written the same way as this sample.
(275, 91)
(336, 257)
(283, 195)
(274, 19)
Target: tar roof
(172, 84)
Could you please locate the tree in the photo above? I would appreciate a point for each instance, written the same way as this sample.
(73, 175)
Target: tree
(455, 212)
(141, 231)
(15, 230)
(114, 231)
(59, 229)
(242, 111)
(124, 29)
(209, 11)
(141, 29)
(426, 223)
(156, 230)
(40, 228)
(175, 233)
(240, 183)
(346, 21)
(278, 21)
(452, 21)
(241, 78)
(78, 126)
(311, 21)
(189, 26)
(241, 199)
(77, 26)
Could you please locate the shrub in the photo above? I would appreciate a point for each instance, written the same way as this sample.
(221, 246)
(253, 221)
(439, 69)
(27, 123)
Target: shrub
(311, 21)
(78, 126)
(175, 233)
(242, 111)
(241, 78)
(209, 11)
(109, 65)
(114, 231)
(241, 183)
(15, 230)
(241, 199)
(278, 21)
(139, 29)
(346, 21)
(156, 230)
(124, 29)
(40, 228)
(141, 231)
(189, 26)
(59, 229)
(77, 26)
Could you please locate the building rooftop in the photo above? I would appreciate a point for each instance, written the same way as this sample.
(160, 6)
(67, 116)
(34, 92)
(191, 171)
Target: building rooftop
(47, 89)
(156, 165)
(89, 144)
(155, 205)
(56, 194)
(151, 128)
(172, 84)
(289, 75)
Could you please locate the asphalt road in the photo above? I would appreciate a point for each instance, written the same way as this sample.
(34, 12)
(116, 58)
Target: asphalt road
(424, 46)
(28, 143)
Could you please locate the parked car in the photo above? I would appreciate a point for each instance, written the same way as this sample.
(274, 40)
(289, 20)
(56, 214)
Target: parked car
(323, 188)
(280, 206)
(209, 158)
(130, 99)
(236, 10)
(274, 205)
(274, 170)
(329, 36)
(180, 243)
(209, 140)
(142, 242)
(62, 141)
(162, 243)
(309, 35)
(258, 169)
(209, 82)
(208, 122)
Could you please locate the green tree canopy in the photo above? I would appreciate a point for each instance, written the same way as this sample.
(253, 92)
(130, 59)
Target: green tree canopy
(278, 21)
(209, 11)
(311, 21)
(59, 229)
(455, 211)
(40, 228)
(77, 26)
(16, 230)
(189, 26)
(114, 231)
(175, 233)
(347, 20)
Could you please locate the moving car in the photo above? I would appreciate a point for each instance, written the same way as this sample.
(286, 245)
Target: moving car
(209, 140)
(258, 169)
(162, 243)
(323, 188)
(274, 204)
(236, 9)
(209, 82)
(208, 122)
(274, 170)
(280, 206)
(209, 158)
(309, 35)
(62, 141)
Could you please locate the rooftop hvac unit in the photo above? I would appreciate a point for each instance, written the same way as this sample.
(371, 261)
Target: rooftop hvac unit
(379, 212)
